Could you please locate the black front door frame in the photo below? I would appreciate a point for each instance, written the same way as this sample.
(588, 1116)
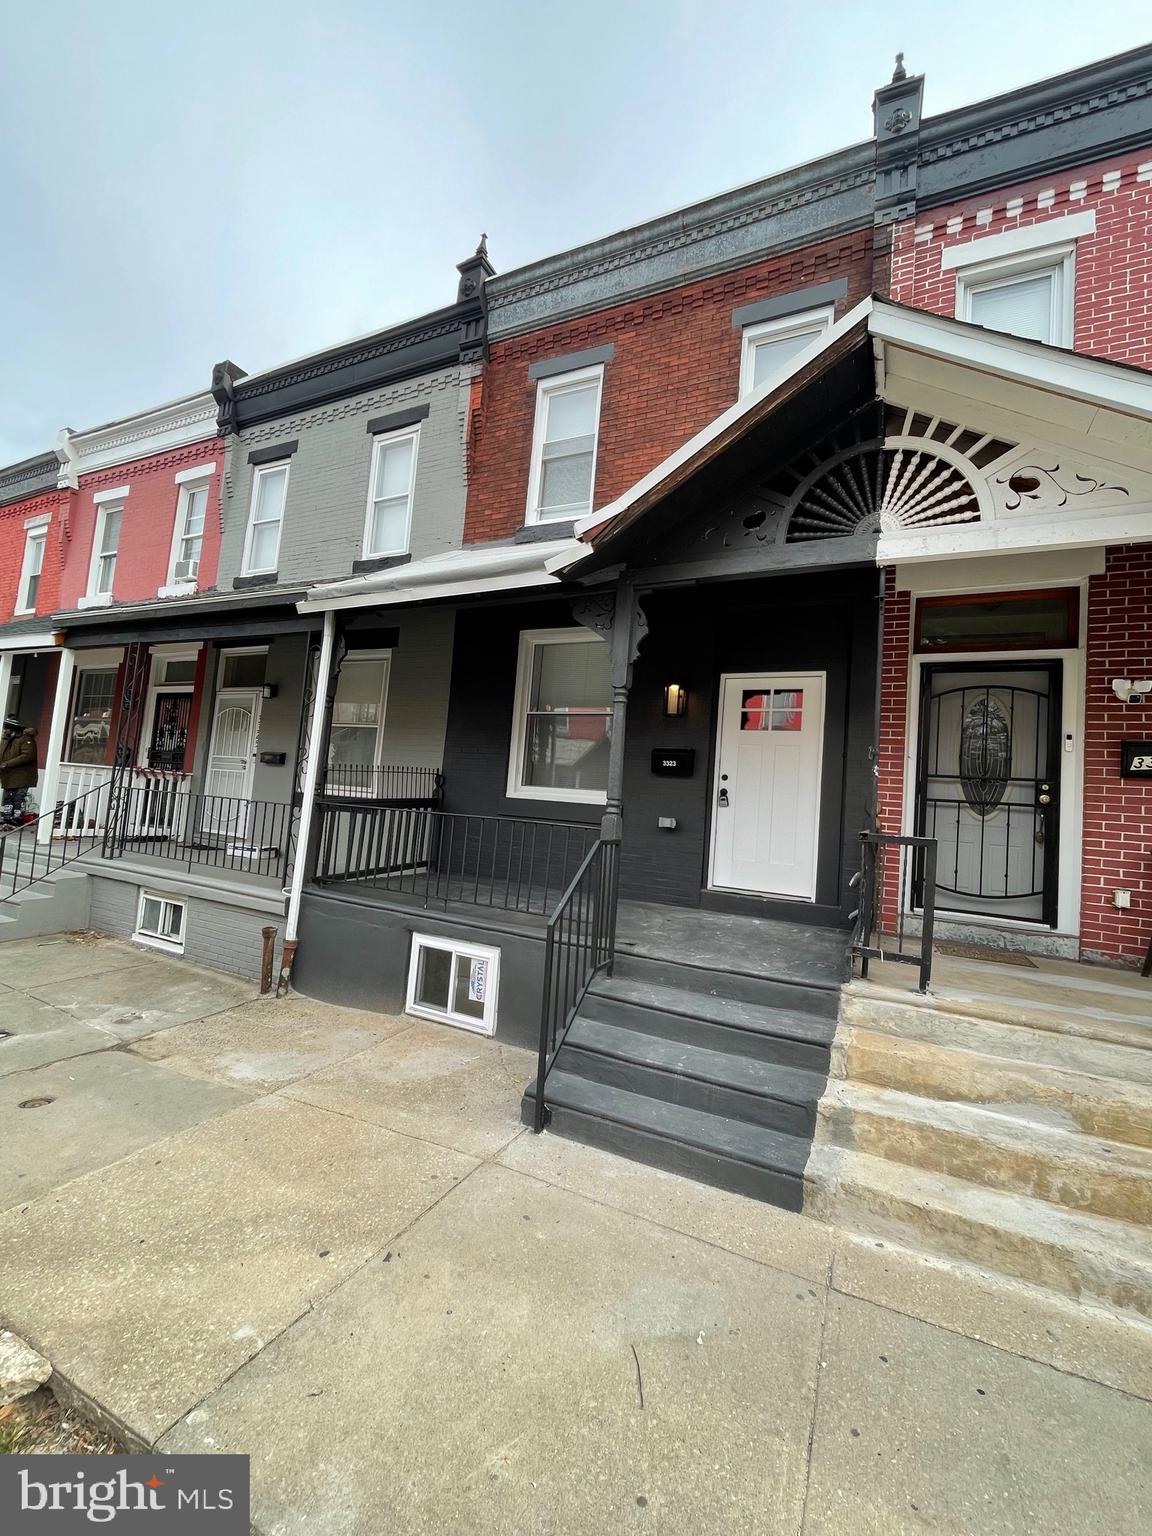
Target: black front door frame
(1049, 808)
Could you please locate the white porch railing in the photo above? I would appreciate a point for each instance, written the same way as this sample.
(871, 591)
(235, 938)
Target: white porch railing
(157, 810)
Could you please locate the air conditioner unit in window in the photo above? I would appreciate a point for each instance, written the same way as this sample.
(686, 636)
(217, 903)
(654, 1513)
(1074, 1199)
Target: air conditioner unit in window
(185, 570)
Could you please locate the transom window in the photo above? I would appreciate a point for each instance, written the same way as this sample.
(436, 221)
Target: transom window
(390, 495)
(564, 438)
(269, 488)
(773, 344)
(1029, 296)
(35, 543)
(160, 922)
(999, 621)
(244, 669)
(357, 724)
(106, 545)
(563, 716)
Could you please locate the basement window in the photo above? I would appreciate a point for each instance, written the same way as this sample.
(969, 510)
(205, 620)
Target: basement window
(160, 923)
(453, 983)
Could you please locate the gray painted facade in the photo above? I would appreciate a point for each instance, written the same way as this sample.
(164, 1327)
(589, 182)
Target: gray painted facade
(328, 479)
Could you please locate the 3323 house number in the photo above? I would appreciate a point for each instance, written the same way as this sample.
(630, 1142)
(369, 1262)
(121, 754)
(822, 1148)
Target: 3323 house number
(1136, 759)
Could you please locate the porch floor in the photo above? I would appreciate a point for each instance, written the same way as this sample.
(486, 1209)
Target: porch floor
(139, 861)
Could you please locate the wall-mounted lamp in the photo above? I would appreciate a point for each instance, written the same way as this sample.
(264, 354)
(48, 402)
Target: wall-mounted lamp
(270, 690)
(1132, 690)
(675, 701)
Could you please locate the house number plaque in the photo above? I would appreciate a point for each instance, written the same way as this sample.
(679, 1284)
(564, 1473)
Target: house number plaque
(674, 762)
(1136, 759)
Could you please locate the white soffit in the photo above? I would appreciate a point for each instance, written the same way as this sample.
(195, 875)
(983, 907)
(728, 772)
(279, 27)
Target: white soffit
(1001, 573)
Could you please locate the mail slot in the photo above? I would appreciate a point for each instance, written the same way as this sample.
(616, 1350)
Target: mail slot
(674, 762)
(273, 759)
(1136, 759)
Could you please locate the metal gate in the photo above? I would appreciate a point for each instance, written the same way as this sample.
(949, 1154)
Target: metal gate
(988, 785)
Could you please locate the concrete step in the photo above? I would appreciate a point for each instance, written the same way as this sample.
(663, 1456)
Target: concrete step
(731, 1154)
(1088, 1258)
(822, 999)
(1103, 1106)
(999, 1152)
(1128, 1059)
(57, 904)
(785, 1034)
(719, 1082)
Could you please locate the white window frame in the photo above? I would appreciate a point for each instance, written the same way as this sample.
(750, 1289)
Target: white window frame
(1057, 261)
(106, 502)
(385, 657)
(530, 641)
(484, 1026)
(274, 467)
(35, 533)
(380, 444)
(155, 940)
(815, 320)
(187, 482)
(558, 384)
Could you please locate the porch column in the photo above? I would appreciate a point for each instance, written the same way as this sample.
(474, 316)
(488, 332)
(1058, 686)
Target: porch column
(5, 678)
(322, 698)
(51, 775)
(629, 627)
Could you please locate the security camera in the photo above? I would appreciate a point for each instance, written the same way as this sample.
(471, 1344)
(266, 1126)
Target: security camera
(1132, 692)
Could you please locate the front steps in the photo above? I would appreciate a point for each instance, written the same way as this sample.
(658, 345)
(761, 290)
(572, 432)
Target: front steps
(57, 901)
(1014, 1138)
(709, 1073)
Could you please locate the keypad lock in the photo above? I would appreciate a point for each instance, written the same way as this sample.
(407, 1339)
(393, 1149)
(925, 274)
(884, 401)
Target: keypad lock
(723, 801)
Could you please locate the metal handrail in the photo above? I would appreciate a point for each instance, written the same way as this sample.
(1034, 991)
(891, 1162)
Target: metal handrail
(394, 782)
(915, 887)
(25, 860)
(215, 831)
(579, 944)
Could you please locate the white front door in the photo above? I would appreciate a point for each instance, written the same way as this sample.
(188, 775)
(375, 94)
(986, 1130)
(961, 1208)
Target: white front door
(766, 795)
(231, 759)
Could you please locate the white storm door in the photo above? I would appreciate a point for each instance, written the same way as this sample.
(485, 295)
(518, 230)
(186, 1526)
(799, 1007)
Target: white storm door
(766, 793)
(231, 759)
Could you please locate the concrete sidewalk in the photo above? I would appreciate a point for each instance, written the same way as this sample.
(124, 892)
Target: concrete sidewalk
(321, 1238)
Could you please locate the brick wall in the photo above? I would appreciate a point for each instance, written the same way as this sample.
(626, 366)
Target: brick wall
(1117, 812)
(147, 526)
(13, 516)
(676, 366)
(1113, 267)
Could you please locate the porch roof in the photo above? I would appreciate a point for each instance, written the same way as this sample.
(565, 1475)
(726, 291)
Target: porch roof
(457, 573)
(1090, 413)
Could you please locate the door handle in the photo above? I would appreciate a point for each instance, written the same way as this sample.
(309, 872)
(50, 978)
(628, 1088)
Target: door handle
(723, 800)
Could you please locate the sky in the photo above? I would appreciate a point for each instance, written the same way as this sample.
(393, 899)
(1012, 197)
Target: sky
(261, 178)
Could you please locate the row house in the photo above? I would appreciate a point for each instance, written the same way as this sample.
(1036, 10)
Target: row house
(581, 663)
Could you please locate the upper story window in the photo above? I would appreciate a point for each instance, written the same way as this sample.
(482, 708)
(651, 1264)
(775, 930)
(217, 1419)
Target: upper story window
(773, 344)
(35, 543)
(563, 469)
(105, 545)
(1022, 281)
(188, 529)
(389, 521)
(262, 546)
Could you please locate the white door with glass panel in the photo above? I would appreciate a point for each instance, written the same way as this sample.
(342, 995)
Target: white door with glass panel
(766, 796)
(231, 760)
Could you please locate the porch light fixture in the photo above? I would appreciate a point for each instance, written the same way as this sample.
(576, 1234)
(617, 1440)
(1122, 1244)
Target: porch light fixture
(675, 701)
(270, 690)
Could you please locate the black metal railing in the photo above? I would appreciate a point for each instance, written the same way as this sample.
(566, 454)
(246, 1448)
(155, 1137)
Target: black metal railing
(229, 832)
(579, 945)
(438, 856)
(896, 916)
(74, 826)
(393, 782)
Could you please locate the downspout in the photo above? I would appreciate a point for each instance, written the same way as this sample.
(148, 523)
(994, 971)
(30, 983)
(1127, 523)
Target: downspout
(307, 801)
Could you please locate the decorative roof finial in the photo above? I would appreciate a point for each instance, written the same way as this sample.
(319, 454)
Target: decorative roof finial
(899, 73)
(482, 248)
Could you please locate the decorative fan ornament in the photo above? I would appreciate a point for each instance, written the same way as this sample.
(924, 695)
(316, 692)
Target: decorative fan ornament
(872, 490)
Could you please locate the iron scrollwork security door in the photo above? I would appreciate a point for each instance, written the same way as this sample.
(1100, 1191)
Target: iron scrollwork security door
(988, 786)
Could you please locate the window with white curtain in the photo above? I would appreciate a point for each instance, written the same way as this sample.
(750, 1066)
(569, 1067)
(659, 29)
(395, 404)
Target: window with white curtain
(389, 518)
(563, 468)
(262, 546)
(1030, 297)
(773, 344)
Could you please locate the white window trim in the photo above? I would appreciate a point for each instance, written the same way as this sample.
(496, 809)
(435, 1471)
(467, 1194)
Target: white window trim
(106, 502)
(380, 442)
(1014, 242)
(529, 640)
(157, 940)
(197, 472)
(484, 1026)
(248, 568)
(815, 320)
(545, 389)
(35, 532)
(384, 656)
(1058, 260)
(188, 480)
(119, 494)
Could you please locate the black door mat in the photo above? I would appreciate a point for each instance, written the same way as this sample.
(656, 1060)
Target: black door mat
(985, 952)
